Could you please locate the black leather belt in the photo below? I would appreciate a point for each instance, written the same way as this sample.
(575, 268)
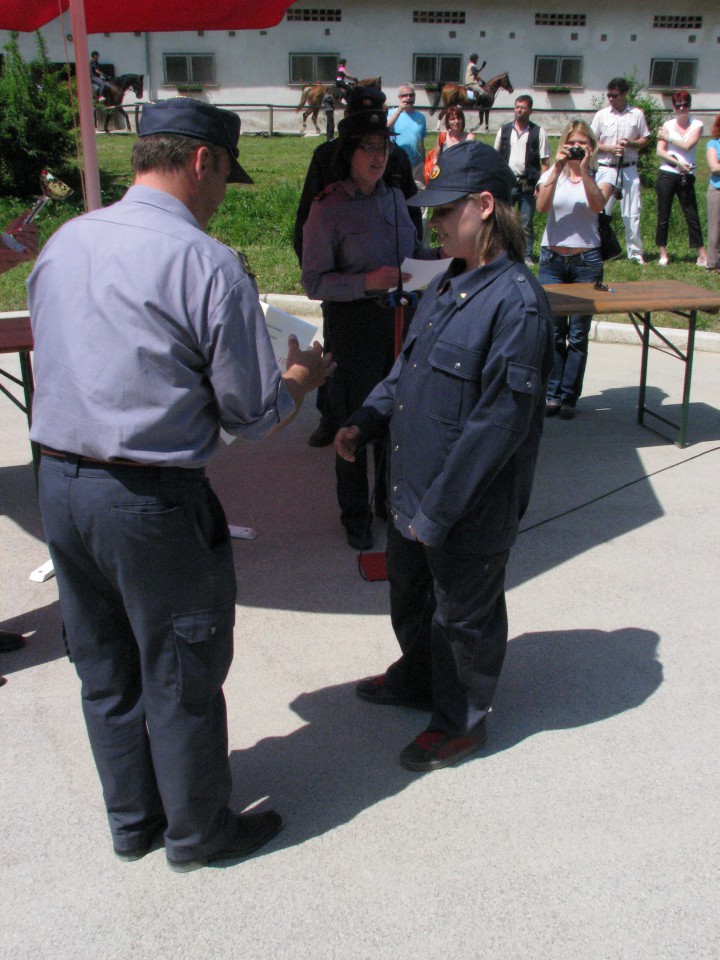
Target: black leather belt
(614, 166)
(119, 462)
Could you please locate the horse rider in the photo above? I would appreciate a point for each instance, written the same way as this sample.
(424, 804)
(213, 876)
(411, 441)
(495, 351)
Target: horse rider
(473, 81)
(97, 78)
(343, 79)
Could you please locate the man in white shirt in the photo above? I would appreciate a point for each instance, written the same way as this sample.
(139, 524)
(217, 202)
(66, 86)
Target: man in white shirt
(622, 132)
(523, 146)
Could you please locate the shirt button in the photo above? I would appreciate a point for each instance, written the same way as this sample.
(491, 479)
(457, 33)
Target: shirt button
(213, 630)
(457, 366)
(394, 488)
(520, 279)
(401, 406)
(528, 384)
(430, 324)
(414, 366)
(396, 447)
(462, 296)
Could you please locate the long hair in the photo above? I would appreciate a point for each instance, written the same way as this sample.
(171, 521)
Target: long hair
(579, 126)
(715, 132)
(500, 233)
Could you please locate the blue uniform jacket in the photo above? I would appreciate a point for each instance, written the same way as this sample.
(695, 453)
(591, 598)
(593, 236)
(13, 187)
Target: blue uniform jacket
(465, 401)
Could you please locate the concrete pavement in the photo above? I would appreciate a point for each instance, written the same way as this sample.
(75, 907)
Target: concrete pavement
(586, 830)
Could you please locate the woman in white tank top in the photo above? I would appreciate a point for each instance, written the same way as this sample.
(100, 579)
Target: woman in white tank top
(570, 253)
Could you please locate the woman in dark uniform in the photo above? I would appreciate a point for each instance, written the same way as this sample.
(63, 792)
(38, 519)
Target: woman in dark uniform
(357, 234)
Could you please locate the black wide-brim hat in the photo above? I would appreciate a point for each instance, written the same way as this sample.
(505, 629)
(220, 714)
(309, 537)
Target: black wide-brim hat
(363, 124)
(187, 117)
(468, 167)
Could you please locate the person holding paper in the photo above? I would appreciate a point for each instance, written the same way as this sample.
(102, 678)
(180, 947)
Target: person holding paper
(132, 389)
(464, 405)
(354, 239)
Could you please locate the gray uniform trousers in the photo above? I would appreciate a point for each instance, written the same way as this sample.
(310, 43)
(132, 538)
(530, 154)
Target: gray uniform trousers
(147, 592)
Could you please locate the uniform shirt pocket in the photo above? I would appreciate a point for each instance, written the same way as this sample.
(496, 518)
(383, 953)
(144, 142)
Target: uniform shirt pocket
(523, 389)
(454, 385)
(204, 645)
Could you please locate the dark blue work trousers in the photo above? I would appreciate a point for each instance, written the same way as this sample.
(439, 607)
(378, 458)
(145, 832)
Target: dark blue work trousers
(147, 591)
(449, 616)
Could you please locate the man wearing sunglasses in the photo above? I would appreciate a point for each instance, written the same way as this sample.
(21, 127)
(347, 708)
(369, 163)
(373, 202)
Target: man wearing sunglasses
(622, 132)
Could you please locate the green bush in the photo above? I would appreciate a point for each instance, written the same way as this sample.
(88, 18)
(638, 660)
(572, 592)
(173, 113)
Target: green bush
(35, 120)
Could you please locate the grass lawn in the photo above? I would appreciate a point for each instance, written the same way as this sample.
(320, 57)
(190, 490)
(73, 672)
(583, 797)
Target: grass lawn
(259, 220)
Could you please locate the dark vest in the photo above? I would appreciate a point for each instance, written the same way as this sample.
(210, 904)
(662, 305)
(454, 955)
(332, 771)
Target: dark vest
(532, 150)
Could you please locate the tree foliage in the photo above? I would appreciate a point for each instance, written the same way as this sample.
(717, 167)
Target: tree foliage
(35, 119)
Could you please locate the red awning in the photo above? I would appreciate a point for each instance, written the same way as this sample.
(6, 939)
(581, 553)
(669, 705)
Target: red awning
(121, 16)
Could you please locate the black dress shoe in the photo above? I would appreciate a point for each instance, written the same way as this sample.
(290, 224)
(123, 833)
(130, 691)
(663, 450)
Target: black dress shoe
(142, 848)
(359, 537)
(376, 690)
(551, 408)
(10, 641)
(323, 435)
(567, 412)
(253, 830)
(435, 749)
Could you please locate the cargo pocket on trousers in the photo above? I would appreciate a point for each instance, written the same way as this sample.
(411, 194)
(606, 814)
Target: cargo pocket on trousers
(204, 644)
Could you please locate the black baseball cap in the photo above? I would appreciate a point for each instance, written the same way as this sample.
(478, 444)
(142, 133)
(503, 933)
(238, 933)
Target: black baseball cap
(365, 98)
(187, 117)
(469, 167)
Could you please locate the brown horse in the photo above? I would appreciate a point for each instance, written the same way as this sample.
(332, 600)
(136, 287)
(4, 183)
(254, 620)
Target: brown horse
(313, 94)
(454, 95)
(115, 90)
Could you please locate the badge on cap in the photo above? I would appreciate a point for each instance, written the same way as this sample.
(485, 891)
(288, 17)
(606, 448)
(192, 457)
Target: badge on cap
(434, 173)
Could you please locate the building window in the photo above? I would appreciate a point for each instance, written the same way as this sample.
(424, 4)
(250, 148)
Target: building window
(673, 73)
(677, 23)
(436, 68)
(313, 67)
(558, 71)
(438, 16)
(560, 20)
(196, 68)
(314, 15)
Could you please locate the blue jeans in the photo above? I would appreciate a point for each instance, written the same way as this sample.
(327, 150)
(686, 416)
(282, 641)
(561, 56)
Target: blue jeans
(524, 200)
(571, 333)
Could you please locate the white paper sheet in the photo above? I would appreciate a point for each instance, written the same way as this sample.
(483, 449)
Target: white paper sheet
(422, 271)
(280, 325)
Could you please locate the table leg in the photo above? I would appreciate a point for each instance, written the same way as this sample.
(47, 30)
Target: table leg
(643, 366)
(689, 354)
(28, 383)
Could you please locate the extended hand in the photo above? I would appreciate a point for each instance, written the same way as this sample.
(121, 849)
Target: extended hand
(346, 443)
(308, 368)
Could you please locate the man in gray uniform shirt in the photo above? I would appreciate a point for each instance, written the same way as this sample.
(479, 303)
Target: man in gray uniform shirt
(149, 337)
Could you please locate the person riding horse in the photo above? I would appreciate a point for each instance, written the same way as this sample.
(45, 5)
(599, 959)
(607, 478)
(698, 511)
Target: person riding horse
(343, 80)
(98, 79)
(473, 81)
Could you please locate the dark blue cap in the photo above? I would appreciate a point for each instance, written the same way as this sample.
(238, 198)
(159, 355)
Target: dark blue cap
(365, 98)
(469, 167)
(187, 117)
(362, 124)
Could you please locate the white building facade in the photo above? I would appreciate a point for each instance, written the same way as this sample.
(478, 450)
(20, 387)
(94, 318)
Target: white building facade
(561, 54)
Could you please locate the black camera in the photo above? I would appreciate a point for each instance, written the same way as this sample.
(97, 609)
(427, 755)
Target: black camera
(575, 153)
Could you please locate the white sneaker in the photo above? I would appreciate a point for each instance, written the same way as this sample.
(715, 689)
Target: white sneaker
(701, 262)
(637, 259)
(663, 262)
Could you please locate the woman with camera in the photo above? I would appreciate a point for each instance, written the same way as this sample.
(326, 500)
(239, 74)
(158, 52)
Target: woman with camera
(570, 253)
(677, 142)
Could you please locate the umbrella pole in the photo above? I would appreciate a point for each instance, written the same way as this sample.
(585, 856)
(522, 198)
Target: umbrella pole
(91, 172)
